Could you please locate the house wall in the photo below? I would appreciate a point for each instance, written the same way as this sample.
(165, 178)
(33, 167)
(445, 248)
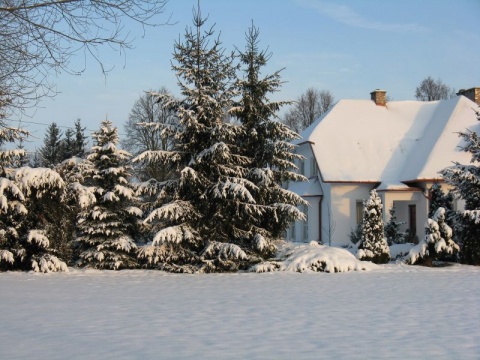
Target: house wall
(297, 231)
(340, 212)
(332, 217)
(401, 200)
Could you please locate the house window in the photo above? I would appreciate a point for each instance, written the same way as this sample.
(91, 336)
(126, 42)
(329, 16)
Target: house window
(313, 167)
(412, 218)
(305, 223)
(359, 211)
(292, 231)
(301, 167)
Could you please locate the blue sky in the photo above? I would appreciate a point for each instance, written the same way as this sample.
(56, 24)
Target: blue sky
(349, 47)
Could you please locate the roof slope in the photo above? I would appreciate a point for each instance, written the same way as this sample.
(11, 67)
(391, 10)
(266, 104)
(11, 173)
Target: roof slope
(358, 141)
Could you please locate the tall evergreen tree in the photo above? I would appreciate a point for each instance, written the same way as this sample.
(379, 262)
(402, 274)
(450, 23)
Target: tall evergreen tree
(67, 145)
(267, 143)
(374, 246)
(80, 140)
(465, 180)
(202, 219)
(51, 151)
(107, 224)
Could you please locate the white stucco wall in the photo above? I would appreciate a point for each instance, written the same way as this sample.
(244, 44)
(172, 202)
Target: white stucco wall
(339, 214)
(402, 200)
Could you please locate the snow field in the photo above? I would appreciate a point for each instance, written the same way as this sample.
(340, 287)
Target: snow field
(393, 312)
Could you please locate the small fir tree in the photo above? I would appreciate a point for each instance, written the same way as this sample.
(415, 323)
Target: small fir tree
(437, 245)
(374, 246)
(80, 141)
(106, 224)
(392, 233)
(439, 199)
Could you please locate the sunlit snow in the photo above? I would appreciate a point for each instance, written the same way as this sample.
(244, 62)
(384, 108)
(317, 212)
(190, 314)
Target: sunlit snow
(392, 312)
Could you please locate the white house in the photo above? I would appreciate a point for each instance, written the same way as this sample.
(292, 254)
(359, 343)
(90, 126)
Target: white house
(395, 147)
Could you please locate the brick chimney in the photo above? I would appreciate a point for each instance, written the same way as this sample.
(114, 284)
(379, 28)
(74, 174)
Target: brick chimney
(473, 94)
(379, 97)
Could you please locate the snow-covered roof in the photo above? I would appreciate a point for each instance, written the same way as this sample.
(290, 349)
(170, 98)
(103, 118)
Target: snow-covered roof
(358, 141)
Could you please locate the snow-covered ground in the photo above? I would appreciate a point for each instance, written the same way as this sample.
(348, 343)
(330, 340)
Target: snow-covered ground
(391, 312)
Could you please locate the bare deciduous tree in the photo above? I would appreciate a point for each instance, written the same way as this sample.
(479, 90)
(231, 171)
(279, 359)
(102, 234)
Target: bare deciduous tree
(39, 37)
(309, 106)
(431, 90)
(147, 110)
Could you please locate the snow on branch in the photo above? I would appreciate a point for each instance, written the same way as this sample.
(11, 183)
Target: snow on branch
(38, 237)
(291, 210)
(160, 156)
(176, 210)
(47, 263)
(41, 179)
(85, 195)
(126, 192)
(13, 190)
(218, 150)
(6, 256)
(228, 189)
(111, 197)
(223, 251)
(134, 211)
(172, 234)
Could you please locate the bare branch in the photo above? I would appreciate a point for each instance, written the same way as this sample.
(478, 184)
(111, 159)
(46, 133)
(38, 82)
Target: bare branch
(38, 39)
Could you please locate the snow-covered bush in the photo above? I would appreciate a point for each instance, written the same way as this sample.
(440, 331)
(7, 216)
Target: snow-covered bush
(437, 244)
(313, 258)
(373, 245)
(32, 206)
(107, 220)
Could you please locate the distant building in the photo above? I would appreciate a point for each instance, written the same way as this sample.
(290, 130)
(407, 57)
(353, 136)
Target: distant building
(397, 148)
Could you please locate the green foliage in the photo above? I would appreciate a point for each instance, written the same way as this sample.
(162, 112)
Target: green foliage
(392, 233)
(439, 199)
(51, 152)
(356, 234)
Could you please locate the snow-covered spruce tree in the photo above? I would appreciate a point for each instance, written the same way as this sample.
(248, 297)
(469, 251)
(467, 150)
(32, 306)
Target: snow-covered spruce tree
(465, 180)
(439, 199)
(374, 246)
(391, 230)
(106, 225)
(437, 244)
(204, 217)
(267, 143)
